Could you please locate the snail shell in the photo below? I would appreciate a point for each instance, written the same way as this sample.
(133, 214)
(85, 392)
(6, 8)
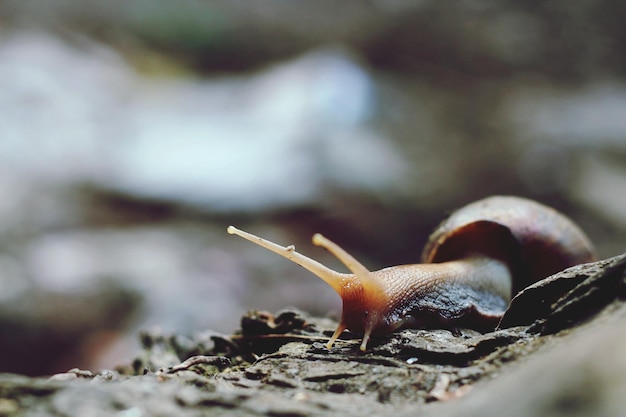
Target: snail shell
(535, 240)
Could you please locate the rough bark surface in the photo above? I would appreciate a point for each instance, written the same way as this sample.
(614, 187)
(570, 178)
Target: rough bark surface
(558, 351)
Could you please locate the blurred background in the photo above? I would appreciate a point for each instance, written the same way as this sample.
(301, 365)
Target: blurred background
(132, 133)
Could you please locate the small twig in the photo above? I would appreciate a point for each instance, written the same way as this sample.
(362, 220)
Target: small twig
(278, 336)
(218, 361)
(440, 390)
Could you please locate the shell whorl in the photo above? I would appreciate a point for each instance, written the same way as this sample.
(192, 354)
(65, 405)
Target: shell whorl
(534, 240)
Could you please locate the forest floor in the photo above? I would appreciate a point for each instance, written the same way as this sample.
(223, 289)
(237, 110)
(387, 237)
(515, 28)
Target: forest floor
(558, 351)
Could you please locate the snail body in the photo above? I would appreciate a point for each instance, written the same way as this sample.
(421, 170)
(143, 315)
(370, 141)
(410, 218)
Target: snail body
(473, 264)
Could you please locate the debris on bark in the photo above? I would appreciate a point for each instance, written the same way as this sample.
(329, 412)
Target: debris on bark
(568, 331)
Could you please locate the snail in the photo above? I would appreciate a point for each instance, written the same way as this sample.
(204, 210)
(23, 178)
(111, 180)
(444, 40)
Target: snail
(473, 263)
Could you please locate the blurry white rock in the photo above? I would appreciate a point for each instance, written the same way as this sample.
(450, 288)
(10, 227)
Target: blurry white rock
(61, 107)
(270, 140)
(80, 115)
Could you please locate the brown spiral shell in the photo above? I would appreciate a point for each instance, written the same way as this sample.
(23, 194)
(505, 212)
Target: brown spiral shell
(534, 240)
